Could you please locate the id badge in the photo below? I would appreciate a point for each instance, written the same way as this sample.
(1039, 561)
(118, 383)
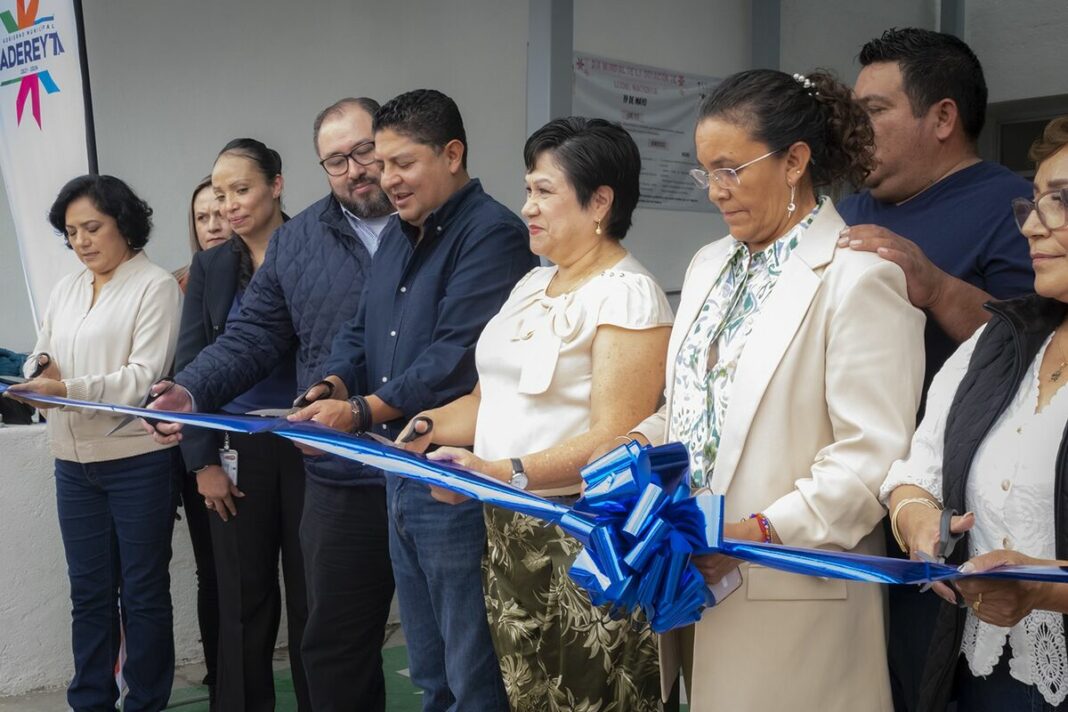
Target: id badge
(228, 460)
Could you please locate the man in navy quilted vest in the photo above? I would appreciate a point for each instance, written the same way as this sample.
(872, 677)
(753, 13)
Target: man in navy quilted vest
(310, 284)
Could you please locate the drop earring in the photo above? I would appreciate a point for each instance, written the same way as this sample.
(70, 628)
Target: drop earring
(791, 206)
(598, 230)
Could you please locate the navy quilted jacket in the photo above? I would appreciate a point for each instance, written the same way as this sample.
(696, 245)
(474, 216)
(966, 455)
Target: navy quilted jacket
(308, 286)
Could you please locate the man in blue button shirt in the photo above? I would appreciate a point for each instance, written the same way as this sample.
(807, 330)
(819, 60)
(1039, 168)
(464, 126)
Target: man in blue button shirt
(942, 214)
(309, 285)
(443, 269)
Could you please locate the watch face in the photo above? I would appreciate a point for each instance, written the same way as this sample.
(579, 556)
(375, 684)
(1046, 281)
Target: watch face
(519, 479)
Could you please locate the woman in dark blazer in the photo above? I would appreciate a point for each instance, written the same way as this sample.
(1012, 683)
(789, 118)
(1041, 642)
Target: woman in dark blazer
(255, 484)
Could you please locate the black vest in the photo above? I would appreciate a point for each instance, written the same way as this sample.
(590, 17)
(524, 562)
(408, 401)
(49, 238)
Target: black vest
(1002, 358)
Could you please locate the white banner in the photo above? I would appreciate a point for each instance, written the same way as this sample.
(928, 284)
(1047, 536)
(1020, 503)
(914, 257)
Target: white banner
(42, 131)
(659, 109)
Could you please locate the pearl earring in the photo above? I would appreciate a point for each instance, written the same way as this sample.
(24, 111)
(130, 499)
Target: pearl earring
(598, 230)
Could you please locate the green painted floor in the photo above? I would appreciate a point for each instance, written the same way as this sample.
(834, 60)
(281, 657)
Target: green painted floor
(187, 696)
(401, 696)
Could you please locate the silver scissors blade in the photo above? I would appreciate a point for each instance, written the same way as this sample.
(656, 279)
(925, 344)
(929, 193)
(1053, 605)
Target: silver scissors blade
(127, 419)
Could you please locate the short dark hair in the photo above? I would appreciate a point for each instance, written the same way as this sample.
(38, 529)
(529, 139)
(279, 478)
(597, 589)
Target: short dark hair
(426, 116)
(338, 107)
(110, 196)
(934, 66)
(592, 153)
(266, 159)
(779, 110)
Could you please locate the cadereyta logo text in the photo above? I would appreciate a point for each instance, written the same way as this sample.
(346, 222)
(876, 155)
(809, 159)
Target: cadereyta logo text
(25, 51)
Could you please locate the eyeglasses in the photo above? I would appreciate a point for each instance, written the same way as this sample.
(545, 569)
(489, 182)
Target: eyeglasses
(1049, 205)
(338, 163)
(725, 177)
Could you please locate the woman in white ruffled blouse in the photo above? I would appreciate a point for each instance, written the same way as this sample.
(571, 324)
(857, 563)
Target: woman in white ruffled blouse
(993, 443)
(573, 357)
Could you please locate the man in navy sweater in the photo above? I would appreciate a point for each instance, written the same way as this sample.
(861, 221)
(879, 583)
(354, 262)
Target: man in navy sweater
(309, 285)
(944, 215)
(446, 265)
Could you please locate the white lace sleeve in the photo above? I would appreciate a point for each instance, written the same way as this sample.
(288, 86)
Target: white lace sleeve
(922, 467)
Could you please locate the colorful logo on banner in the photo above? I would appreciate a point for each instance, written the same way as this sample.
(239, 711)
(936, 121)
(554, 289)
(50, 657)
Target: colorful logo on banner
(30, 42)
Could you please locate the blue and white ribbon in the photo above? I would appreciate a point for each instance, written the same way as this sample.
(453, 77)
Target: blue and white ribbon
(638, 521)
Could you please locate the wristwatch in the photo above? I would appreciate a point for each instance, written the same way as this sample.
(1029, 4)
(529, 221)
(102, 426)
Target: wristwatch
(519, 475)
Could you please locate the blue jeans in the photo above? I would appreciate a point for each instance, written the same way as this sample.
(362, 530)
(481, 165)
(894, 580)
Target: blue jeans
(116, 518)
(437, 551)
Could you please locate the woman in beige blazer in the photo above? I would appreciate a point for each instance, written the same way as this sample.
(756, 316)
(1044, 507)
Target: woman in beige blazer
(793, 377)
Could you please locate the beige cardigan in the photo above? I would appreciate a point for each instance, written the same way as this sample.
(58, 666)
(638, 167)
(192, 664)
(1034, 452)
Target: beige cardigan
(111, 351)
(824, 400)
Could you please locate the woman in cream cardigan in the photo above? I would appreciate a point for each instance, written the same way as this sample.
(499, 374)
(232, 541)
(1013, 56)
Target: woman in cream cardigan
(793, 377)
(110, 333)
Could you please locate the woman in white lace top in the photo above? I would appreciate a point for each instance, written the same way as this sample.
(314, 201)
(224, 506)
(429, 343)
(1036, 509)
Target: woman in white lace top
(993, 444)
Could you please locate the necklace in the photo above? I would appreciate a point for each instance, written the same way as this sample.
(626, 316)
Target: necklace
(1056, 375)
(574, 283)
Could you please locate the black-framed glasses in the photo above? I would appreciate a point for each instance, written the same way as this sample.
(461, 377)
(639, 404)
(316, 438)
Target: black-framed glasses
(337, 164)
(725, 177)
(1050, 207)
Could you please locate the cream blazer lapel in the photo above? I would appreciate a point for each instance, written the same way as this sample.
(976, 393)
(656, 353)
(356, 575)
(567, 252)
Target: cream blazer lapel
(780, 318)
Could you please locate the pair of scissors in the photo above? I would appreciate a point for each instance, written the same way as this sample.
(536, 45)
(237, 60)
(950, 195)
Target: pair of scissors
(412, 434)
(149, 399)
(947, 542)
(408, 437)
(41, 362)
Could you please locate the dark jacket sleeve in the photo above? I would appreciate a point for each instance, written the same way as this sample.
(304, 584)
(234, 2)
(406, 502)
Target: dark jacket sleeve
(348, 359)
(252, 345)
(487, 268)
(200, 447)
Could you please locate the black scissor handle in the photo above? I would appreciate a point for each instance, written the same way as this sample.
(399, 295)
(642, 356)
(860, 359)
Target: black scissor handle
(412, 434)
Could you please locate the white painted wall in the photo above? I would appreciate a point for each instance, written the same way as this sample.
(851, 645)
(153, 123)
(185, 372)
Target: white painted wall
(34, 591)
(710, 37)
(172, 82)
(829, 34)
(1020, 43)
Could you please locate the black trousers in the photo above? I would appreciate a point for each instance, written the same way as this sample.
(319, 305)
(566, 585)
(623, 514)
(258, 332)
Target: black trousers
(196, 517)
(344, 535)
(271, 476)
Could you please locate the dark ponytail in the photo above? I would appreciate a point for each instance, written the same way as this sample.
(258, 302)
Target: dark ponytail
(780, 110)
(269, 163)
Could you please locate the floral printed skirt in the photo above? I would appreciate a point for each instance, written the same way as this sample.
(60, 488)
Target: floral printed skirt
(557, 650)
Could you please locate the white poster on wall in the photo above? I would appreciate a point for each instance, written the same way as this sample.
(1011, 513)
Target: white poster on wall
(659, 108)
(43, 133)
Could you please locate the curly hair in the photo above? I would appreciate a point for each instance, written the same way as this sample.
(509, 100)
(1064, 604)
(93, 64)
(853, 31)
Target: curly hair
(1054, 137)
(110, 196)
(779, 110)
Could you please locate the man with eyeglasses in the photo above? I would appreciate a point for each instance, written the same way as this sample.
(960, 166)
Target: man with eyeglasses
(944, 215)
(310, 284)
